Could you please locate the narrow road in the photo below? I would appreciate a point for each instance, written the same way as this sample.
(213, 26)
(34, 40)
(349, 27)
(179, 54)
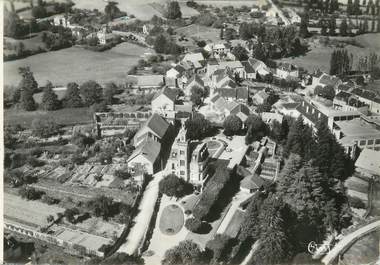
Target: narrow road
(348, 240)
(142, 220)
(250, 254)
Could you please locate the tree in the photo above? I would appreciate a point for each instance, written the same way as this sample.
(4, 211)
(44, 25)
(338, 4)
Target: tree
(343, 28)
(27, 100)
(325, 92)
(111, 10)
(160, 44)
(292, 165)
(259, 52)
(256, 129)
(304, 32)
(274, 245)
(70, 213)
(332, 26)
(193, 224)
(240, 53)
(279, 131)
(27, 87)
(39, 12)
(172, 185)
(197, 95)
(173, 10)
(228, 34)
(72, 98)
(300, 140)
(108, 92)
(232, 125)
(102, 206)
(307, 197)
(91, 92)
(44, 127)
(219, 247)
(49, 98)
(187, 252)
(30, 193)
(197, 127)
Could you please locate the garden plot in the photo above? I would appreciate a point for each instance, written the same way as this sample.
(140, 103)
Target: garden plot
(99, 227)
(96, 175)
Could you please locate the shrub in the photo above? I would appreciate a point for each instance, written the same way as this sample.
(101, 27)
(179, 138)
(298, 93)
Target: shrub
(30, 193)
(193, 224)
(356, 202)
(49, 200)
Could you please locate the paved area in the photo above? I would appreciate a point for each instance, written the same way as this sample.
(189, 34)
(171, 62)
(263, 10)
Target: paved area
(156, 244)
(146, 209)
(348, 240)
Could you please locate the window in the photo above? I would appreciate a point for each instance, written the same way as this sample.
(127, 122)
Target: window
(182, 173)
(370, 142)
(181, 162)
(377, 141)
(362, 142)
(173, 167)
(181, 152)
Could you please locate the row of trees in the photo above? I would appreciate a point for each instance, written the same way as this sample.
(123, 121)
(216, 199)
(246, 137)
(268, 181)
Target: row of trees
(324, 6)
(89, 93)
(340, 62)
(354, 8)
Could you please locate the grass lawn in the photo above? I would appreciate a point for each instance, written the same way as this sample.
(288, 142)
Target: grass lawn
(77, 65)
(319, 56)
(63, 116)
(171, 220)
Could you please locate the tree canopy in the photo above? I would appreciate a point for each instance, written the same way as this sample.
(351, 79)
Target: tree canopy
(198, 127)
(72, 98)
(91, 92)
(232, 125)
(172, 185)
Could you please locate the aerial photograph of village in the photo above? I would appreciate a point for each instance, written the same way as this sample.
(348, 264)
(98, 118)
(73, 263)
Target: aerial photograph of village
(191, 132)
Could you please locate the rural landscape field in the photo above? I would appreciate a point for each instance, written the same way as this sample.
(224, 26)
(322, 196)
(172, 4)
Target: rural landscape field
(77, 65)
(318, 56)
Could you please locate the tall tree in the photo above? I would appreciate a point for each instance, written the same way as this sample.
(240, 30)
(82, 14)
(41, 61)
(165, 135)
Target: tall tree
(72, 97)
(49, 98)
(343, 28)
(300, 140)
(304, 32)
(286, 177)
(232, 125)
(173, 10)
(27, 87)
(91, 92)
(332, 26)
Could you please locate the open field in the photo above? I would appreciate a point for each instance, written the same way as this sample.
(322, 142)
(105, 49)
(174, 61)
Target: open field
(62, 116)
(235, 3)
(319, 55)
(77, 65)
(141, 9)
(33, 43)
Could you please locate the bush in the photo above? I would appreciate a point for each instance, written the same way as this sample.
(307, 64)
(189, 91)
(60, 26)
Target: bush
(193, 224)
(44, 127)
(172, 185)
(49, 200)
(356, 203)
(30, 193)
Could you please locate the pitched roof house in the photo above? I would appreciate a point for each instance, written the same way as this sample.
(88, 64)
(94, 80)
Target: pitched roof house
(196, 80)
(146, 155)
(155, 128)
(164, 100)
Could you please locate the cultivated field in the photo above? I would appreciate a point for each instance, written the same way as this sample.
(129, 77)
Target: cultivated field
(200, 32)
(77, 65)
(62, 116)
(319, 56)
